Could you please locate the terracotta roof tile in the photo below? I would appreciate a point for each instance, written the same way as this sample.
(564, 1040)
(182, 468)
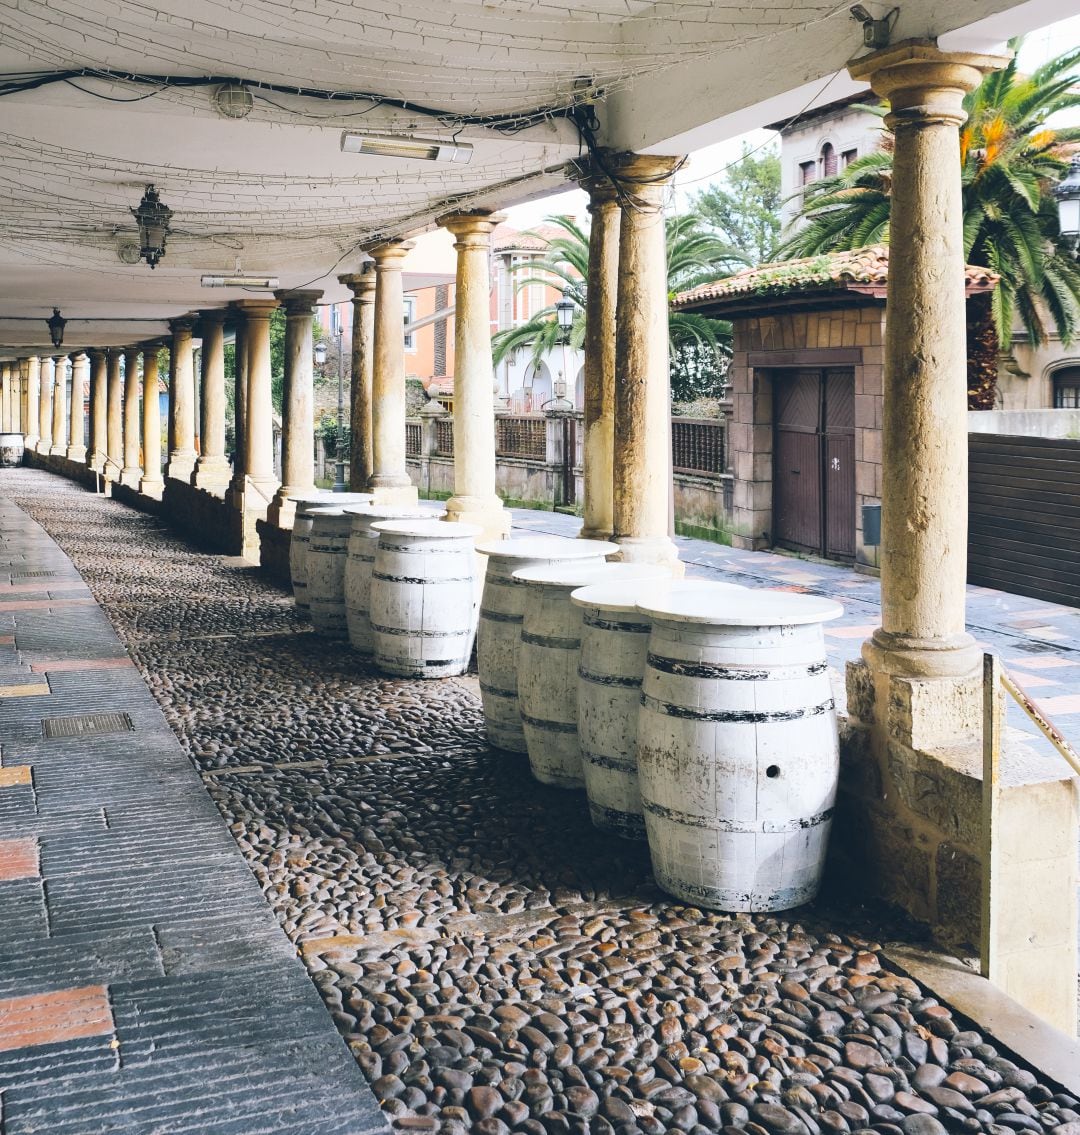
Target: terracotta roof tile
(506, 237)
(862, 270)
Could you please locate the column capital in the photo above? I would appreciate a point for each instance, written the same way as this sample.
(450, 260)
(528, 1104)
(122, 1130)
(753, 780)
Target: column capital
(213, 315)
(477, 223)
(298, 302)
(589, 174)
(642, 170)
(921, 82)
(389, 254)
(181, 324)
(97, 353)
(362, 283)
(255, 309)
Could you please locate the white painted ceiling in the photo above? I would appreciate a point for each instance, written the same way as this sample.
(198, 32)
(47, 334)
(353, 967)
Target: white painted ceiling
(272, 193)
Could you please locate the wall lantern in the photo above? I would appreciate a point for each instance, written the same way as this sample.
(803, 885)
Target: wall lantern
(1067, 193)
(320, 354)
(564, 311)
(153, 217)
(56, 324)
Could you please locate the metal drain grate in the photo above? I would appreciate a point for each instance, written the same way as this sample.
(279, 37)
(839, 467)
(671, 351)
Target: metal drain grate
(32, 574)
(86, 724)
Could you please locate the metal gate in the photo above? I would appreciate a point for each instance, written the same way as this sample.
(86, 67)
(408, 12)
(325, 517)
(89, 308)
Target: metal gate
(814, 461)
(569, 452)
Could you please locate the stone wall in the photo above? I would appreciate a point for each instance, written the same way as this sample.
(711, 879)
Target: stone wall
(848, 337)
(274, 552)
(201, 516)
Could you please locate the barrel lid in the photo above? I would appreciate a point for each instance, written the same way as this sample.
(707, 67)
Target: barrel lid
(326, 497)
(329, 519)
(627, 595)
(724, 605)
(571, 575)
(546, 548)
(374, 512)
(437, 529)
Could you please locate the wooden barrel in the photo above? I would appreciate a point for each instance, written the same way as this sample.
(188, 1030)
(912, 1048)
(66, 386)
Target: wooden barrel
(424, 597)
(328, 546)
(12, 446)
(361, 560)
(301, 535)
(502, 608)
(547, 677)
(737, 747)
(614, 642)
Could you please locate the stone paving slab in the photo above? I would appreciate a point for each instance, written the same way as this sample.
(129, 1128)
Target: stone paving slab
(145, 986)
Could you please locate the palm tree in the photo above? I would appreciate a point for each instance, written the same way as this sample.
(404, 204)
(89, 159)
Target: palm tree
(694, 256)
(1010, 160)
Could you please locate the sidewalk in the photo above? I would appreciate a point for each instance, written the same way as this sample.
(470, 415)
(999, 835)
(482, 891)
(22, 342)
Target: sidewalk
(1039, 642)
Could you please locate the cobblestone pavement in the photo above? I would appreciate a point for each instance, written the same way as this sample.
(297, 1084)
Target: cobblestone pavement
(494, 963)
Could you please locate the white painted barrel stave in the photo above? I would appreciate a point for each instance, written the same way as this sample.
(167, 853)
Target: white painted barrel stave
(424, 599)
(300, 537)
(325, 564)
(738, 760)
(502, 610)
(359, 564)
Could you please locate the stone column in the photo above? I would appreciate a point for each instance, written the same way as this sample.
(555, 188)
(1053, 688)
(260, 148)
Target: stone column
(33, 402)
(114, 419)
(45, 405)
(131, 473)
(212, 468)
(80, 373)
(58, 448)
(475, 500)
(599, 408)
(6, 384)
(642, 447)
(362, 285)
(297, 408)
(240, 399)
(389, 474)
(260, 481)
(181, 400)
(98, 410)
(22, 369)
(151, 483)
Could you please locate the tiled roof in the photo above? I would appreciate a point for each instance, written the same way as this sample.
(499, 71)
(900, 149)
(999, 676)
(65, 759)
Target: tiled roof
(506, 237)
(862, 270)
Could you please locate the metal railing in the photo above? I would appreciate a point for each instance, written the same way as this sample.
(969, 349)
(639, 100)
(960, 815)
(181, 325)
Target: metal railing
(413, 439)
(521, 437)
(996, 677)
(698, 446)
(444, 437)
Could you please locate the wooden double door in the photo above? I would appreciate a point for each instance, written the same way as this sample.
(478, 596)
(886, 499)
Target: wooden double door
(814, 460)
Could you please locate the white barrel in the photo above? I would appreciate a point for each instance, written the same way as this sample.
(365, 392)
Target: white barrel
(424, 597)
(737, 747)
(502, 608)
(12, 446)
(614, 642)
(547, 678)
(301, 535)
(328, 546)
(360, 561)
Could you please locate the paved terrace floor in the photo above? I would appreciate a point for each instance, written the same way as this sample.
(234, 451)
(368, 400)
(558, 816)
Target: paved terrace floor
(493, 964)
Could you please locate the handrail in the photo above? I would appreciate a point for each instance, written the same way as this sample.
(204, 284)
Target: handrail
(994, 676)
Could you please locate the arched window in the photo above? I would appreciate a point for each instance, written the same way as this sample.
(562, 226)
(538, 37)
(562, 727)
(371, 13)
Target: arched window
(828, 160)
(1067, 388)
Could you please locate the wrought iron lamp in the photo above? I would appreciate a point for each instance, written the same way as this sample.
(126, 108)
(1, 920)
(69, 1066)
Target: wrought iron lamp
(1067, 193)
(320, 354)
(564, 312)
(56, 324)
(153, 216)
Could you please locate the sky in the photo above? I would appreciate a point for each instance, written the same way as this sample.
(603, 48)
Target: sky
(708, 165)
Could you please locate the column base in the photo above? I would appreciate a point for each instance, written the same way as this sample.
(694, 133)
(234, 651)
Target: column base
(650, 550)
(490, 515)
(957, 656)
(96, 461)
(212, 474)
(130, 477)
(31, 442)
(595, 533)
(395, 494)
(180, 467)
(76, 453)
(152, 487)
(57, 450)
(248, 503)
(111, 471)
(282, 509)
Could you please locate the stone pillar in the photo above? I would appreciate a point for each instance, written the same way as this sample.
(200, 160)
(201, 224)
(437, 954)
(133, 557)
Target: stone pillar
(181, 400)
(297, 408)
(475, 500)
(389, 474)
(131, 473)
(80, 373)
(114, 427)
(212, 468)
(362, 285)
(151, 483)
(599, 408)
(33, 402)
(236, 485)
(6, 384)
(641, 496)
(45, 405)
(58, 447)
(23, 368)
(98, 410)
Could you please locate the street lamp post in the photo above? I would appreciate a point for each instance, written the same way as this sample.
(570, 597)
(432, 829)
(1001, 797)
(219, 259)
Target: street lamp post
(1067, 193)
(564, 311)
(320, 360)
